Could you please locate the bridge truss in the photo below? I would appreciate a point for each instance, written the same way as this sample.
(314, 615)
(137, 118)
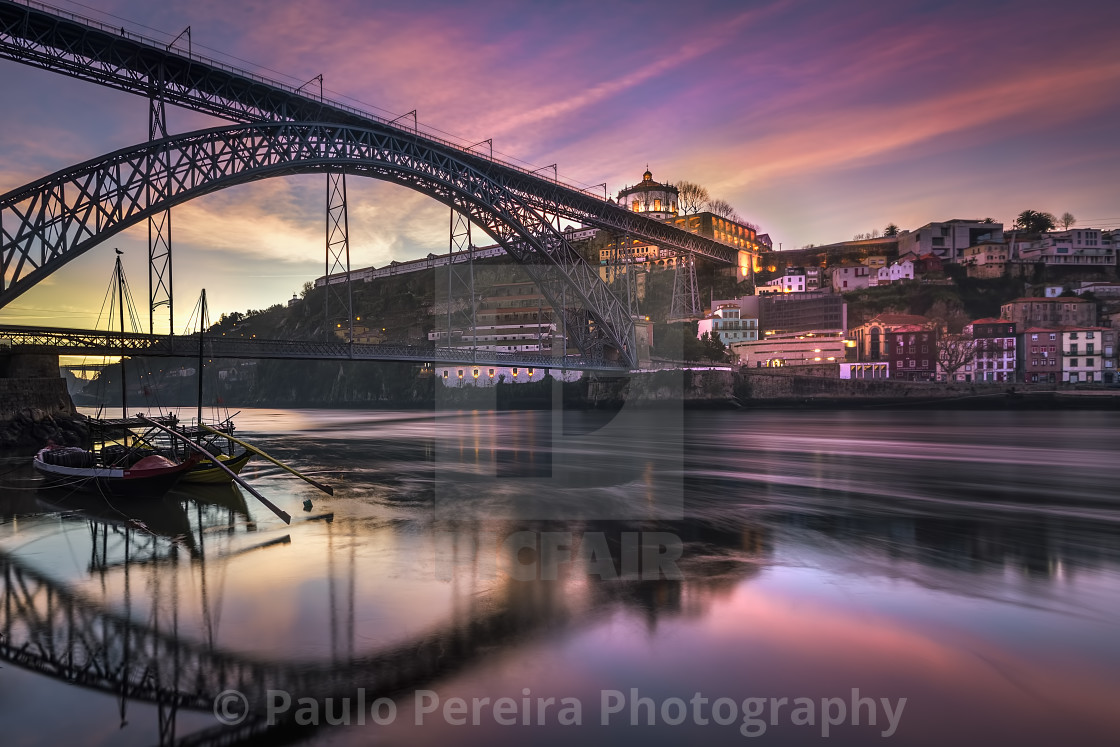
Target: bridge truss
(514, 205)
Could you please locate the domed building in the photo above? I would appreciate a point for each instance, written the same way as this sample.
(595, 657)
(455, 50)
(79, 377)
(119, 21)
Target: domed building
(653, 198)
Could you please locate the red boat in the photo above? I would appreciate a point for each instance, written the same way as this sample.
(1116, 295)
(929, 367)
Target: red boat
(149, 477)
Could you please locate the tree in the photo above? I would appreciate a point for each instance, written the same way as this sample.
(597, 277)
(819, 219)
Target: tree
(1067, 220)
(307, 288)
(954, 351)
(712, 348)
(723, 209)
(890, 230)
(1032, 221)
(691, 197)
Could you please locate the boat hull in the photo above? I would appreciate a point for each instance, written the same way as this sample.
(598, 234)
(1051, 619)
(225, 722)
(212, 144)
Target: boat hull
(207, 473)
(113, 481)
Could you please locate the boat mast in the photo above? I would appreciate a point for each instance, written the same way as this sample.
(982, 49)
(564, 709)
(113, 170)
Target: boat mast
(120, 300)
(202, 318)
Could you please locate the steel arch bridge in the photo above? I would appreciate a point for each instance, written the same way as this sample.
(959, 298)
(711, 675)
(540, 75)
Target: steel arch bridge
(48, 222)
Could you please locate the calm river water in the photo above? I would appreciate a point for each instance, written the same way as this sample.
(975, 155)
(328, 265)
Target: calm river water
(654, 578)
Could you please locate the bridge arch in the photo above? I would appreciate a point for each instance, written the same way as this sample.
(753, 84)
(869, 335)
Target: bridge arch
(47, 223)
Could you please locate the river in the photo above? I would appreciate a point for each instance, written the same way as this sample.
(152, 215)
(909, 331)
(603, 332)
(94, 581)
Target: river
(653, 576)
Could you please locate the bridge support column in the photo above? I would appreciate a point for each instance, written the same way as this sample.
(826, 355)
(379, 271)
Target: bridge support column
(338, 308)
(159, 225)
(686, 296)
(462, 303)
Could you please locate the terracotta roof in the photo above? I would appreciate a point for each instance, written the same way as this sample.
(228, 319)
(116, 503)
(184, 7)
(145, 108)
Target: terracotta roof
(892, 319)
(1066, 328)
(991, 320)
(1054, 299)
(910, 328)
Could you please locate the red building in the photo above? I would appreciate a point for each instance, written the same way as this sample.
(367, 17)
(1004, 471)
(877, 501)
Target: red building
(912, 353)
(1040, 355)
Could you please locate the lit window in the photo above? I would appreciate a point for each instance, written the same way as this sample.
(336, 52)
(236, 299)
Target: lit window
(635, 206)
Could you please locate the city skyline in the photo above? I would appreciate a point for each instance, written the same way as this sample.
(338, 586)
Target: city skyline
(815, 122)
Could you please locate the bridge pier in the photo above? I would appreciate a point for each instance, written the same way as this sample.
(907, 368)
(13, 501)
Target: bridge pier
(34, 402)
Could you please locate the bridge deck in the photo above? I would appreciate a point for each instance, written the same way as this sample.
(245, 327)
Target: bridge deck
(93, 342)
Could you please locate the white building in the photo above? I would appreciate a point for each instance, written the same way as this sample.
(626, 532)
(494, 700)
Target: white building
(996, 346)
(1072, 247)
(728, 322)
(850, 278)
(786, 284)
(1083, 355)
(903, 270)
(949, 239)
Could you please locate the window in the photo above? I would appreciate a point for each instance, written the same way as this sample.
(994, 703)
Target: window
(925, 364)
(913, 363)
(657, 205)
(1053, 337)
(1034, 338)
(1073, 361)
(1089, 362)
(635, 206)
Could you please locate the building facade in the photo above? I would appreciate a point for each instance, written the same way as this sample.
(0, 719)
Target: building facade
(870, 337)
(727, 322)
(912, 353)
(1063, 311)
(1083, 355)
(801, 312)
(949, 239)
(995, 344)
(809, 348)
(850, 278)
(1081, 247)
(1040, 355)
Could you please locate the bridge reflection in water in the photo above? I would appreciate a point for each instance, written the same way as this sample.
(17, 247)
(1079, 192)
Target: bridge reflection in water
(811, 564)
(141, 618)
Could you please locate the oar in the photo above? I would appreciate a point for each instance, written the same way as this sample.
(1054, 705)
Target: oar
(191, 444)
(325, 488)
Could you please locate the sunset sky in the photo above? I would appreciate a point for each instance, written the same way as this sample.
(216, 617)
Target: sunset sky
(816, 120)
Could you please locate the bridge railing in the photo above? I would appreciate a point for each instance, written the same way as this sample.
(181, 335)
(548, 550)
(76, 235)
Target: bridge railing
(421, 129)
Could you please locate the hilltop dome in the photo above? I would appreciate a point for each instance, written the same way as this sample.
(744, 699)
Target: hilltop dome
(657, 200)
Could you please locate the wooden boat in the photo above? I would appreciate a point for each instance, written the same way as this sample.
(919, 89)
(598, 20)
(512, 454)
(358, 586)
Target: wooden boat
(208, 473)
(149, 476)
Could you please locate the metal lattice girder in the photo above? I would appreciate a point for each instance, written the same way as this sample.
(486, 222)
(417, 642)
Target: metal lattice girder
(139, 345)
(45, 224)
(159, 226)
(104, 55)
(338, 298)
(462, 303)
(685, 305)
